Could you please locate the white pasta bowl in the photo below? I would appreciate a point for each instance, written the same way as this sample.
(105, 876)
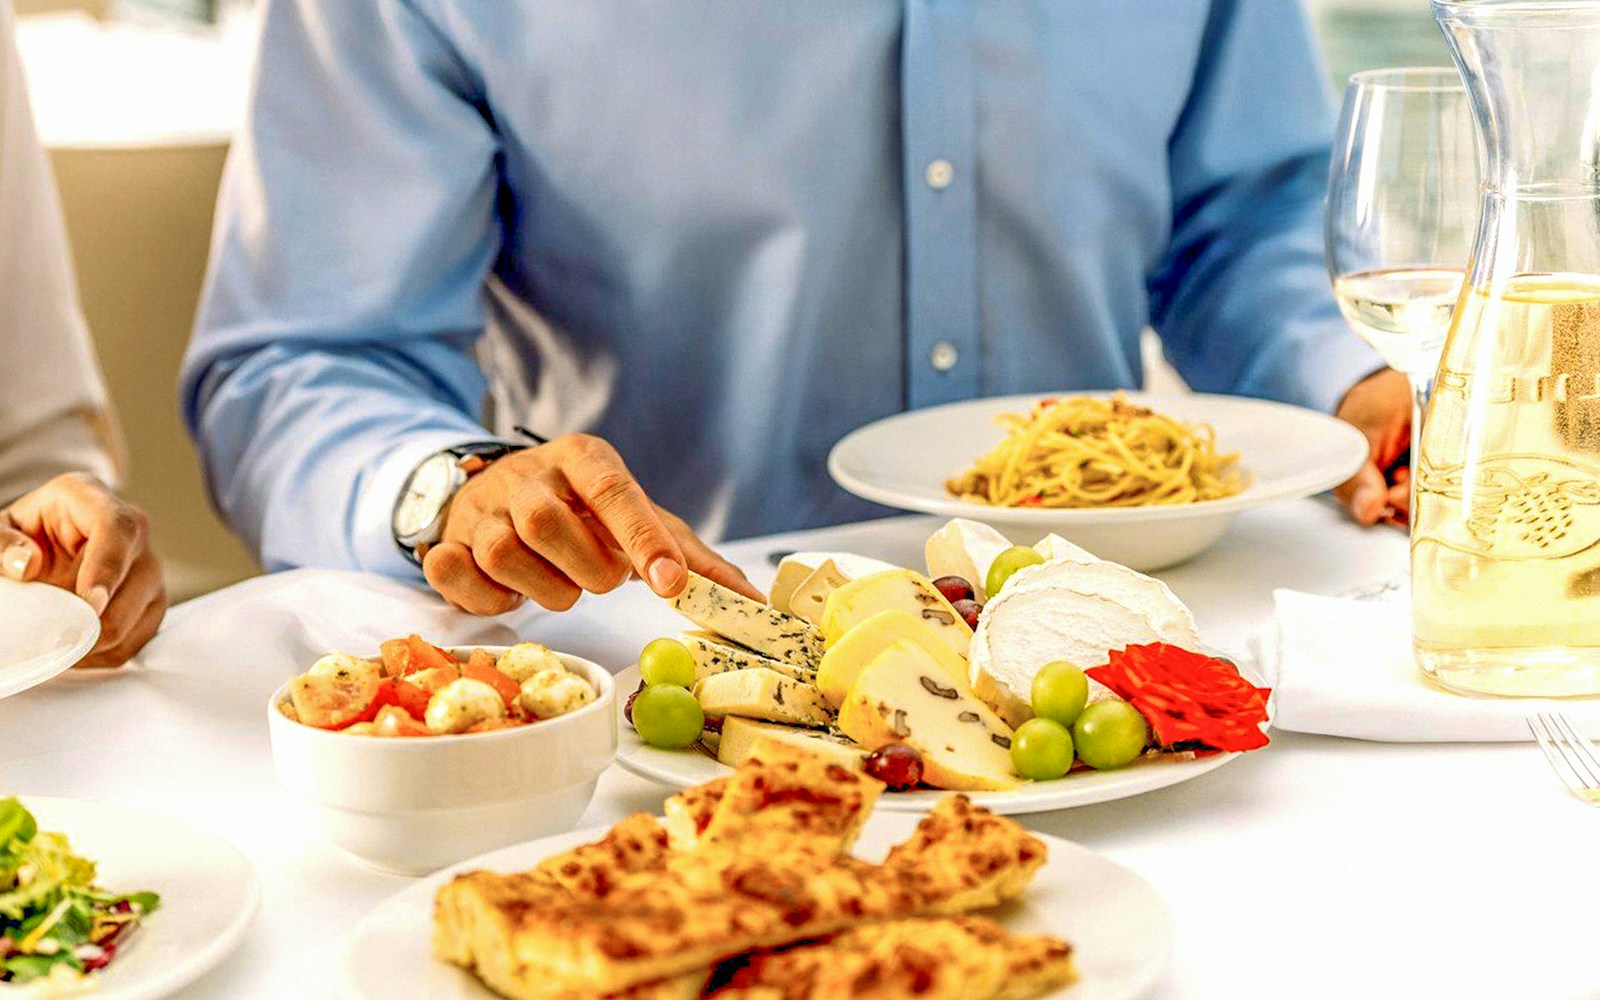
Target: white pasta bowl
(414, 805)
(1288, 452)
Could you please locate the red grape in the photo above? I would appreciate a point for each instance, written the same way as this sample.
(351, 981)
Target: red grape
(968, 610)
(627, 709)
(954, 589)
(897, 765)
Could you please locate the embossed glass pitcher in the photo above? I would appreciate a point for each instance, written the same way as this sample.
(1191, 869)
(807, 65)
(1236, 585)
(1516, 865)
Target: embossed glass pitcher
(1505, 551)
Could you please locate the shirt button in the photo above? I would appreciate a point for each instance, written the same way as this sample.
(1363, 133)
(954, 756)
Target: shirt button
(939, 175)
(943, 356)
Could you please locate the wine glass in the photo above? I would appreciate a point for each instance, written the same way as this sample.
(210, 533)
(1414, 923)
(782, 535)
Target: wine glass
(1403, 198)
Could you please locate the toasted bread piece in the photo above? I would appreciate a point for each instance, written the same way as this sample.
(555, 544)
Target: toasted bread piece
(787, 799)
(637, 844)
(689, 811)
(683, 919)
(941, 958)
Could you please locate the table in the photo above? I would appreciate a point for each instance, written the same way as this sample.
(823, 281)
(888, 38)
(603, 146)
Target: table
(1318, 867)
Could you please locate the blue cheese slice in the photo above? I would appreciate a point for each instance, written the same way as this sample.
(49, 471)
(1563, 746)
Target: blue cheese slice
(762, 694)
(715, 655)
(749, 623)
(739, 737)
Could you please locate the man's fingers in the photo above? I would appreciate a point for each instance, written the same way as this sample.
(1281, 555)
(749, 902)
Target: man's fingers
(608, 489)
(451, 570)
(501, 554)
(20, 556)
(550, 527)
(116, 535)
(131, 618)
(136, 639)
(1366, 496)
(704, 560)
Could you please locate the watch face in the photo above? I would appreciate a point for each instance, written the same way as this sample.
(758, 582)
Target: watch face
(426, 494)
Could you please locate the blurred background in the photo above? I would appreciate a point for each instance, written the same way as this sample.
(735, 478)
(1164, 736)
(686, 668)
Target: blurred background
(137, 100)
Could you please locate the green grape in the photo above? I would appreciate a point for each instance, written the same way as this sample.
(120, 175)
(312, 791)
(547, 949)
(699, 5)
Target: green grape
(667, 716)
(667, 661)
(1041, 749)
(1110, 734)
(1060, 690)
(1006, 563)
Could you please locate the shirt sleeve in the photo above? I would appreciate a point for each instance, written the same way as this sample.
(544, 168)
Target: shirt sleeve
(1243, 301)
(357, 222)
(52, 403)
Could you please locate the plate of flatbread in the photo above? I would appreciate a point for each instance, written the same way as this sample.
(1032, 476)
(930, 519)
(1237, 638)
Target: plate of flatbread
(777, 882)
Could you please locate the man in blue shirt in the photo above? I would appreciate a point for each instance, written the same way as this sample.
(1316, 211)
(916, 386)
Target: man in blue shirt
(714, 237)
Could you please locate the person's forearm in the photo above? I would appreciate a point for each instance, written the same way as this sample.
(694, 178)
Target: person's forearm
(306, 451)
(71, 441)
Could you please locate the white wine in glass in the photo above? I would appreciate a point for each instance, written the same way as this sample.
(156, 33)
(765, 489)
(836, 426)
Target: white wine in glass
(1403, 198)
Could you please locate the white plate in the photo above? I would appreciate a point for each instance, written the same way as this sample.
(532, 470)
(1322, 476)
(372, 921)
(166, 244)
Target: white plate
(1117, 925)
(687, 768)
(1289, 453)
(44, 630)
(208, 891)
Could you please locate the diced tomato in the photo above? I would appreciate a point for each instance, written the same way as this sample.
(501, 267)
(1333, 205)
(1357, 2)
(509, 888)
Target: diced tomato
(403, 694)
(490, 725)
(431, 680)
(481, 668)
(334, 701)
(403, 657)
(393, 720)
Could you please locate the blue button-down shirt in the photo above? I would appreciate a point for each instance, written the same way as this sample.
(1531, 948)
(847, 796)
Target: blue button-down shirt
(722, 235)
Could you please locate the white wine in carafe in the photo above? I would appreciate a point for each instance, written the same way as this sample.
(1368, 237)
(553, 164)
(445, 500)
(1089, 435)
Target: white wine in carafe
(1506, 541)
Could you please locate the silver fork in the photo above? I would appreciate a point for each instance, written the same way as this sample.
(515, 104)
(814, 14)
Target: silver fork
(1572, 755)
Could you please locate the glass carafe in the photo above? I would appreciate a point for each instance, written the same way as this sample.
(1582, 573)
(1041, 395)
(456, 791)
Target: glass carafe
(1505, 551)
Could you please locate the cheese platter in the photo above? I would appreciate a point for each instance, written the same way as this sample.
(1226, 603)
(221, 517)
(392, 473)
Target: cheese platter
(1031, 678)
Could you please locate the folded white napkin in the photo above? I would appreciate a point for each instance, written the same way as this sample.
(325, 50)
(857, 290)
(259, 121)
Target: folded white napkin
(1343, 667)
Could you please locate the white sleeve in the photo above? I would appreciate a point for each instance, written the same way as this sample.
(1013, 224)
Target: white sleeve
(53, 407)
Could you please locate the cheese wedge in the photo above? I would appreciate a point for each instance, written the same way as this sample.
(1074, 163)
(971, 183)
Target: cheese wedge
(903, 696)
(1073, 611)
(811, 597)
(797, 566)
(897, 589)
(762, 694)
(966, 549)
(739, 737)
(749, 623)
(715, 655)
(1054, 548)
(847, 657)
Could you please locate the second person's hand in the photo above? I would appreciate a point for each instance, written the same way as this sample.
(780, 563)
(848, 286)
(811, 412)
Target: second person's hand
(551, 522)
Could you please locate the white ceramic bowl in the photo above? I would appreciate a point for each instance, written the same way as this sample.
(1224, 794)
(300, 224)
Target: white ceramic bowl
(412, 806)
(1288, 452)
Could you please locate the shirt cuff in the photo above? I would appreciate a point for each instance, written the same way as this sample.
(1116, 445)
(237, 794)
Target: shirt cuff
(372, 535)
(1319, 370)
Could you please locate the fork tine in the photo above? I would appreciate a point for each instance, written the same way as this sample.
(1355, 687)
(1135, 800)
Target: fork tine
(1582, 749)
(1558, 763)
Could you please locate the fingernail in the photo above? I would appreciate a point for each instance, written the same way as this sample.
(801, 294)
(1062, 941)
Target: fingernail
(1369, 501)
(663, 576)
(98, 597)
(14, 561)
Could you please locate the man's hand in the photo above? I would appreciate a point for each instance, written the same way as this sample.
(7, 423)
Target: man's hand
(75, 533)
(553, 521)
(1380, 407)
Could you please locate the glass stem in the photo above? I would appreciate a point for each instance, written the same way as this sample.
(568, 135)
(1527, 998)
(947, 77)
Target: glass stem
(1421, 389)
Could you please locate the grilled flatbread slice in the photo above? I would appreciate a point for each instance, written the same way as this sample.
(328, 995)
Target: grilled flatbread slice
(784, 799)
(940, 958)
(690, 811)
(660, 925)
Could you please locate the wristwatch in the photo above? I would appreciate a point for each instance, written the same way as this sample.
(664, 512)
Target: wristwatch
(419, 512)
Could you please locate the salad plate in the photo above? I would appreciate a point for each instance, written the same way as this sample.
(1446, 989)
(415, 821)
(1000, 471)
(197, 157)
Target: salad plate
(208, 893)
(1285, 453)
(687, 768)
(1120, 930)
(44, 630)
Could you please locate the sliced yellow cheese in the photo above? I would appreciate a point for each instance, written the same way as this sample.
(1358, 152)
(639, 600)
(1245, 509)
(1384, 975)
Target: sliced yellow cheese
(762, 694)
(810, 598)
(740, 735)
(850, 653)
(715, 655)
(749, 623)
(896, 589)
(903, 696)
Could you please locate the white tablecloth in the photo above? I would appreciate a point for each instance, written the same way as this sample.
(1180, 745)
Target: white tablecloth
(1316, 868)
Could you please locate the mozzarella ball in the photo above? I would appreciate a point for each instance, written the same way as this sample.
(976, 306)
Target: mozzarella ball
(550, 693)
(525, 659)
(462, 704)
(342, 666)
